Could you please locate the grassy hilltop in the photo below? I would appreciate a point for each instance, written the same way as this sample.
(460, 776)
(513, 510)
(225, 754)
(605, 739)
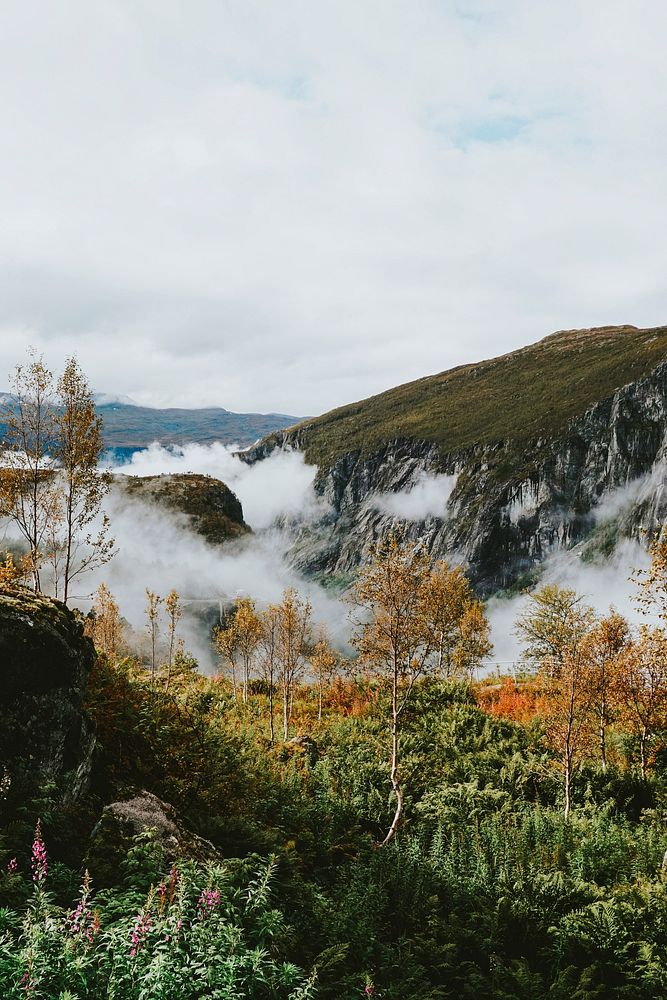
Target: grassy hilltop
(524, 395)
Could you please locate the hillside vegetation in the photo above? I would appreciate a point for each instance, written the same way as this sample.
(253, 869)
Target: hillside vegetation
(525, 395)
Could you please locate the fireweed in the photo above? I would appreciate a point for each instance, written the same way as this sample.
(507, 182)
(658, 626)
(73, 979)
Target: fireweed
(203, 931)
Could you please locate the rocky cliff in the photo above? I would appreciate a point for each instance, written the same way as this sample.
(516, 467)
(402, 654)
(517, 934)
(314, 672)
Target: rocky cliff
(45, 737)
(584, 462)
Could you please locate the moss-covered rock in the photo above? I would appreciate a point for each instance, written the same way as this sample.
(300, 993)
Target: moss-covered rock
(144, 813)
(45, 660)
(213, 510)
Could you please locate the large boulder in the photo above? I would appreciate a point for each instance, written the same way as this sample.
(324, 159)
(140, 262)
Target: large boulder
(143, 813)
(45, 660)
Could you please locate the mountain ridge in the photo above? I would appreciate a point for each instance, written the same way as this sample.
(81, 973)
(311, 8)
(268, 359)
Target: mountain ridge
(523, 394)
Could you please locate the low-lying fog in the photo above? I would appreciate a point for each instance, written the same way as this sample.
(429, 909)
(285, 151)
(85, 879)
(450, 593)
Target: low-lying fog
(158, 549)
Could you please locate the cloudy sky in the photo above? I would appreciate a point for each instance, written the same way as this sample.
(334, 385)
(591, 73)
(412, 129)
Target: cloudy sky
(287, 206)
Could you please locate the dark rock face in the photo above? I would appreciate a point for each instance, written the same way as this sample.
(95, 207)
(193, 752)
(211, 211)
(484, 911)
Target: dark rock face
(514, 502)
(211, 507)
(45, 660)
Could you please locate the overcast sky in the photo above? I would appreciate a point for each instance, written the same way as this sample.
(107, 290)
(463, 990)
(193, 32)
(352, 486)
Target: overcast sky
(290, 205)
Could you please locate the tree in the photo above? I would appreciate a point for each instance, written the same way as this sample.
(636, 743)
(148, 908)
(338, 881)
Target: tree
(226, 644)
(652, 582)
(323, 660)
(268, 655)
(449, 595)
(569, 695)
(14, 574)
(395, 636)
(174, 611)
(28, 491)
(247, 629)
(78, 447)
(104, 624)
(643, 688)
(153, 603)
(292, 635)
(602, 648)
(554, 622)
(474, 644)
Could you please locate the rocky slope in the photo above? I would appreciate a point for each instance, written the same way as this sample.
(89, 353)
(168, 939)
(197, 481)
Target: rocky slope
(557, 444)
(45, 736)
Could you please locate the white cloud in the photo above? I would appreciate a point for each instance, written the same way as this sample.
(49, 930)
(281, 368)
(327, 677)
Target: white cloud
(278, 487)
(286, 207)
(427, 497)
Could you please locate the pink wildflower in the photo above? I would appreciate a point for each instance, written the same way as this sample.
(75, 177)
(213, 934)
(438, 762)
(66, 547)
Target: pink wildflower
(39, 858)
(12, 867)
(142, 926)
(209, 899)
(82, 922)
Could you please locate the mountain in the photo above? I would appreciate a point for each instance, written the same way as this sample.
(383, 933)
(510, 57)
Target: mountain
(128, 427)
(526, 448)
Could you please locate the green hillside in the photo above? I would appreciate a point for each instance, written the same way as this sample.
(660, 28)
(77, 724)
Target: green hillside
(527, 394)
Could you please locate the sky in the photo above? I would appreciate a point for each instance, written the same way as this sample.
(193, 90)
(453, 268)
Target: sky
(288, 206)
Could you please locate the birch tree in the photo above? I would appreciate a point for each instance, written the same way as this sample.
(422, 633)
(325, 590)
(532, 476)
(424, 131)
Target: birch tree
(394, 636)
(293, 634)
(82, 486)
(28, 492)
(643, 689)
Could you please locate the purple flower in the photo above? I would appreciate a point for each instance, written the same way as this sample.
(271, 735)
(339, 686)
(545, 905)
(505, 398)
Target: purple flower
(39, 858)
(142, 926)
(209, 899)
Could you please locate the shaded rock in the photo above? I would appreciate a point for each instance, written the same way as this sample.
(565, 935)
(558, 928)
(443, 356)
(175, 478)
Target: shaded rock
(122, 821)
(304, 746)
(214, 511)
(45, 660)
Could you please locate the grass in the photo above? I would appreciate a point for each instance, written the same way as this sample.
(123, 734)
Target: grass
(529, 394)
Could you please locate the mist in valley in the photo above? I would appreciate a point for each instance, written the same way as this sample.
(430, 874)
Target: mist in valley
(159, 549)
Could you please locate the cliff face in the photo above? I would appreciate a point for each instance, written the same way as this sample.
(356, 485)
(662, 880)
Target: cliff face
(515, 500)
(46, 659)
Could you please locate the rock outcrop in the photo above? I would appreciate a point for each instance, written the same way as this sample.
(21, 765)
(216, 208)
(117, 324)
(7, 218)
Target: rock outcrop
(45, 660)
(144, 813)
(213, 510)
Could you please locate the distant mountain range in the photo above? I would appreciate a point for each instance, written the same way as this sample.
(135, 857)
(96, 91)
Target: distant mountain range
(128, 427)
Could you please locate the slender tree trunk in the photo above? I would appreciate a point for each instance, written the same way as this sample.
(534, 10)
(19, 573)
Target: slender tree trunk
(271, 731)
(395, 784)
(285, 713)
(568, 784)
(603, 737)
(233, 678)
(68, 546)
(319, 707)
(245, 681)
(642, 751)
